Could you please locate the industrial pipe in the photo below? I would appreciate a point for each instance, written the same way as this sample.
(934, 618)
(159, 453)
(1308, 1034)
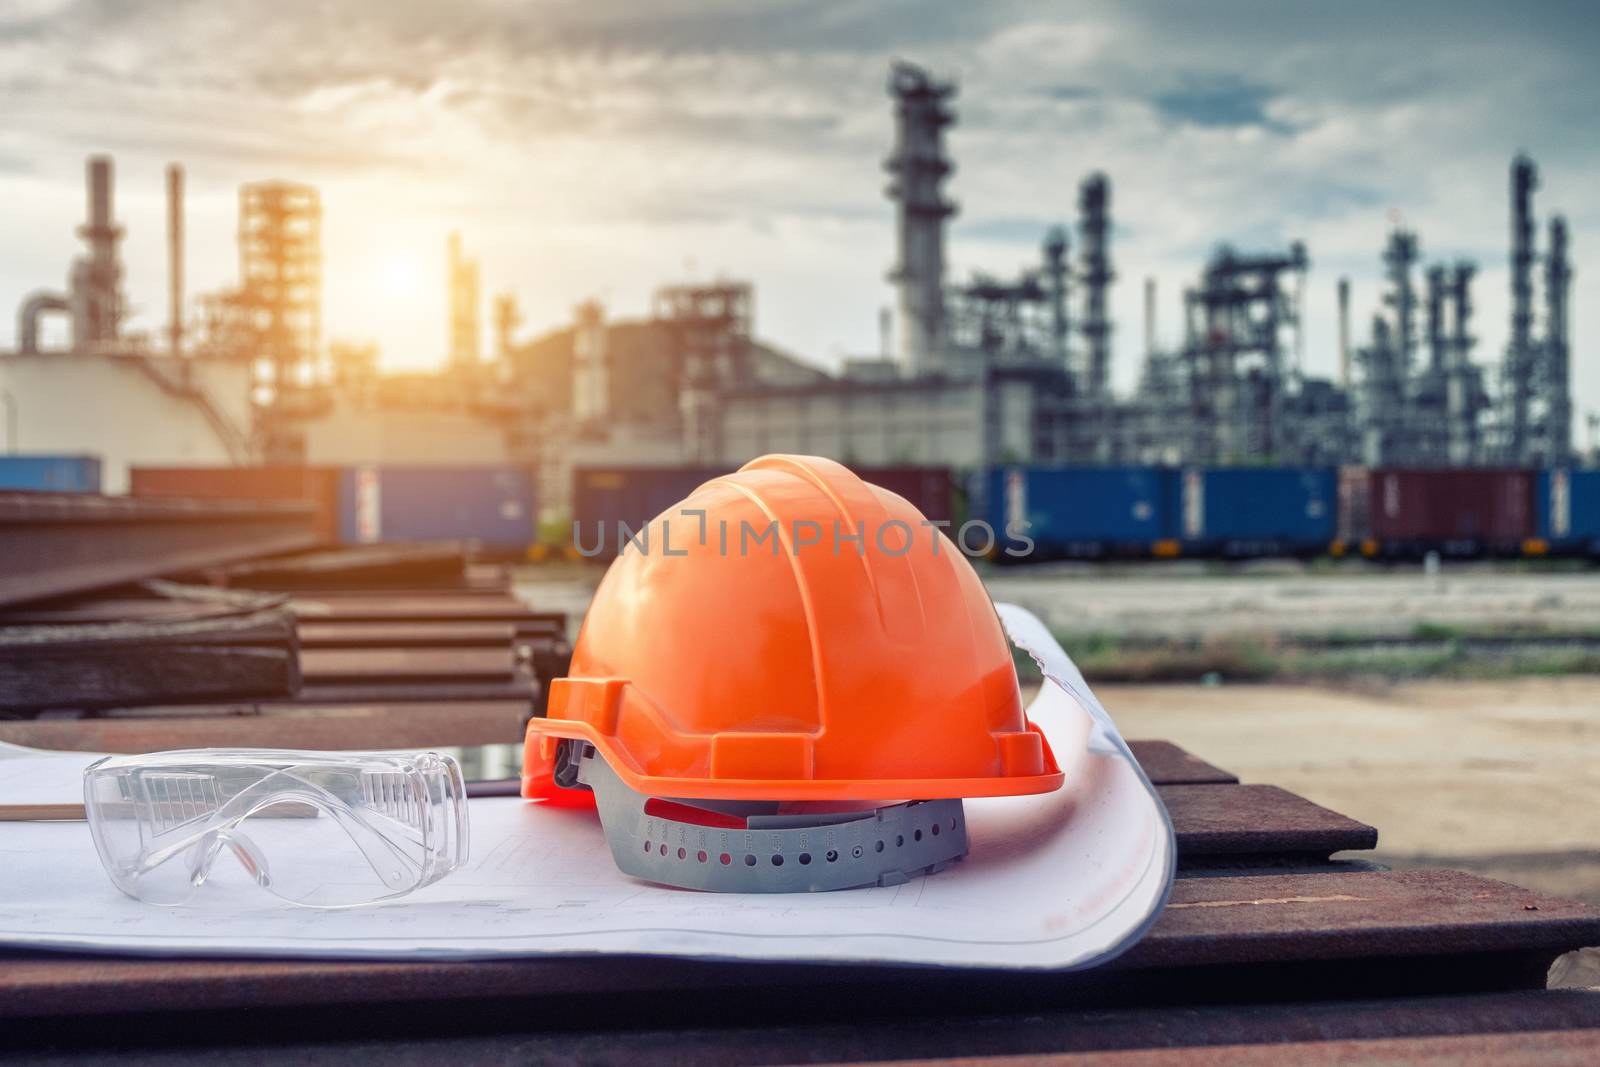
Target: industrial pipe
(1344, 332)
(175, 255)
(1149, 316)
(28, 319)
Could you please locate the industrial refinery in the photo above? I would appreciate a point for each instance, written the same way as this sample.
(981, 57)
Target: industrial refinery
(795, 532)
(972, 372)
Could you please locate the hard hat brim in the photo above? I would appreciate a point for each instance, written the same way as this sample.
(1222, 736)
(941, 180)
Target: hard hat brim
(543, 734)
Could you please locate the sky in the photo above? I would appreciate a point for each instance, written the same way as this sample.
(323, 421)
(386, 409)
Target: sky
(601, 148)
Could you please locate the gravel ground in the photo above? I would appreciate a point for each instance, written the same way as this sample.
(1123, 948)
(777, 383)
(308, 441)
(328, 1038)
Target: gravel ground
(1493, 777)
(1182, 599)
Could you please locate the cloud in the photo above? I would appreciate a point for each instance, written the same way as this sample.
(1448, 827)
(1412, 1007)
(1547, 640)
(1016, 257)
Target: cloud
(1225, 101)
(1070, 92)
(597, 146)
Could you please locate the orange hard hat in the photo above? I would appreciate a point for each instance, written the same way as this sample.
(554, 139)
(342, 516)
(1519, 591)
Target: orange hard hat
(790, 632)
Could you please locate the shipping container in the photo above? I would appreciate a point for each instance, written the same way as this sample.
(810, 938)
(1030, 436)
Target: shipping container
(1567, 511)
(931, 490)
(491, 505)
(1081, 512)
(1458, 512)
(632, 496)
(602, 497)
(1355, 501)
(50, 474)
(1255, 511)
(318, 486)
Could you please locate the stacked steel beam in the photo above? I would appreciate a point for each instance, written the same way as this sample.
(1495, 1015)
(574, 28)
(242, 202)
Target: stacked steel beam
(272, 648)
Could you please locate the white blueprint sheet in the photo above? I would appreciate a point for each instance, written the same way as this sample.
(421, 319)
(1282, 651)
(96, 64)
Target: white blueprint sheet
(1061, 880)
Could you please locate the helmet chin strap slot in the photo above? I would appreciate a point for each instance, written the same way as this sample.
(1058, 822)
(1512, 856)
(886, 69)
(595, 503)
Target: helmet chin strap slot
(682, 842)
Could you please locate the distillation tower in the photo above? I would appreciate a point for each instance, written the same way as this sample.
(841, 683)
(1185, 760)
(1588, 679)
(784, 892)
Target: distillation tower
(1536, 416)
(919, 168)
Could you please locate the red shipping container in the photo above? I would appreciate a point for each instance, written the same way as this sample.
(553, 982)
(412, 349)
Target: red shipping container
(929, 489)
(1479, 505)
(318, 486)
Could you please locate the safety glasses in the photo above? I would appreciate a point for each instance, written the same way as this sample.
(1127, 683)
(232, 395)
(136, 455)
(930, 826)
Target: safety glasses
(318, 829)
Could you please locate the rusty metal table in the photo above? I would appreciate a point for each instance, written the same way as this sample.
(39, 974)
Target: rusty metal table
(1276, 947)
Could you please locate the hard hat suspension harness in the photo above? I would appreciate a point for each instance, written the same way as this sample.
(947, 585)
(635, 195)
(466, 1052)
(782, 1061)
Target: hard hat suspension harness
(747, 847)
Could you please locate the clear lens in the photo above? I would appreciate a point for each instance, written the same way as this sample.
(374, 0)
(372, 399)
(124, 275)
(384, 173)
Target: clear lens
(318, 829)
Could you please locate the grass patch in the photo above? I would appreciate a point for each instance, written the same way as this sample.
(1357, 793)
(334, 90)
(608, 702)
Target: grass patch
(1435, 631)
(1446, 652)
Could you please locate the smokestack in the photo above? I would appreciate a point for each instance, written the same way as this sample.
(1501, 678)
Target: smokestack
(1557, 355)
(1519, 359)
(1461, 311)
(885, 331)
(1055, 269)
(99, 170)
(97, 278)
(175, 255)
(1462, 415)
(1094, 207)
(919, 168)
(466, 343)
(1149, 316)
(1344, 332)
(1399, 256)
(1436, 328)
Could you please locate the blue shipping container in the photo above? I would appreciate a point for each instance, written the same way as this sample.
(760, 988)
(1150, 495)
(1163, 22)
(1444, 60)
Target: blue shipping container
(1256, 510)
(50, 474)
(493, 506)
(1567, 509)
(1080, 511)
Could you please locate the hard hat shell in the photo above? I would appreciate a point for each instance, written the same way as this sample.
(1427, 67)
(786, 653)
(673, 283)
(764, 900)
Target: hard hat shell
(791, 632)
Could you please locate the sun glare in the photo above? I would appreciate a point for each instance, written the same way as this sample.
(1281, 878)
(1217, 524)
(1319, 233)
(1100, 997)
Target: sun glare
(399, 277)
